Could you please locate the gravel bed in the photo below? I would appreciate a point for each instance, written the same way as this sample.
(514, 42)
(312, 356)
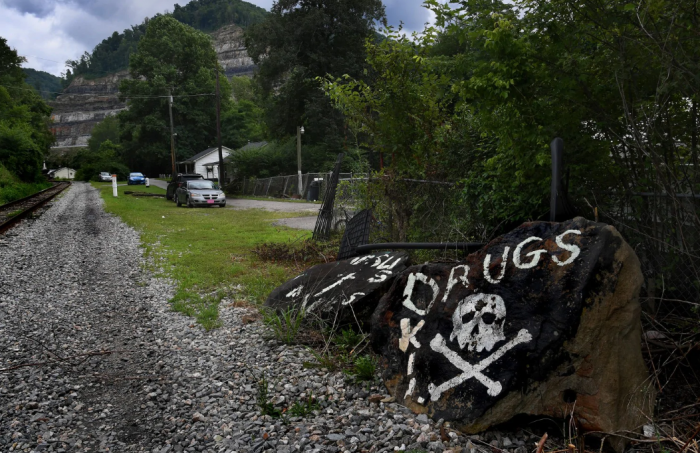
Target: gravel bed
(92, 359)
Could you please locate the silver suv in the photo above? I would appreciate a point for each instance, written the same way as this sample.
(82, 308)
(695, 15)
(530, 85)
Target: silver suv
(105, 176)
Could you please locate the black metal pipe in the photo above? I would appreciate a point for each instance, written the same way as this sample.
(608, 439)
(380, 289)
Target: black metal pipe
(468, 246)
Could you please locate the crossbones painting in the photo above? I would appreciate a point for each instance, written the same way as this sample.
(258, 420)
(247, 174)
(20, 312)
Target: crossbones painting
(481, 332)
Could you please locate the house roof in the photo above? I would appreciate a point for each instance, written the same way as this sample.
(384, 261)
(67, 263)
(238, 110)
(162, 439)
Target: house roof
(204, 153)
(253, 145)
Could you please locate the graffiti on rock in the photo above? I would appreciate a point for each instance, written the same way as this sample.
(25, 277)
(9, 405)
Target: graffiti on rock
(478, 320)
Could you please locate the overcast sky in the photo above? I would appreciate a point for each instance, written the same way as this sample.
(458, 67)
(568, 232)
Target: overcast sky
(49, 32)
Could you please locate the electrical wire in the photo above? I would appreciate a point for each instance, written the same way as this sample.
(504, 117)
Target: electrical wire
(109, 94)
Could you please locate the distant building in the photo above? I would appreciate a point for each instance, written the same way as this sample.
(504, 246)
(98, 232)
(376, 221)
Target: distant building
(62, 173)
(205, 163)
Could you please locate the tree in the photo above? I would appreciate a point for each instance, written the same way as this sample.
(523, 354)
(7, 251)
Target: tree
(299, 41)
(172, 59)
(107, 129)
(25, 137)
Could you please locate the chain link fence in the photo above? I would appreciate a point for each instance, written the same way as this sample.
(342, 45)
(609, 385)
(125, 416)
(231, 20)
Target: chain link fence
(664, 232)
(313, 186)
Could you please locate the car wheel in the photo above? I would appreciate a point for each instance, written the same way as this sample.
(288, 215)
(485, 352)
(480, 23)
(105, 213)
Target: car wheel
(177, 201)
(189, 203)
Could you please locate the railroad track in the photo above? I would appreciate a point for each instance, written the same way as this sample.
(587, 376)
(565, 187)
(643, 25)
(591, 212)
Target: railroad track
(14, 211)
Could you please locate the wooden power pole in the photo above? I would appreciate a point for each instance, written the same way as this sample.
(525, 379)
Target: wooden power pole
(172, 134)
(218, 129)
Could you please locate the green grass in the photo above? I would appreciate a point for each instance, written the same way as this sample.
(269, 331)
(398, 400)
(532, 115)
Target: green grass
(206, 250)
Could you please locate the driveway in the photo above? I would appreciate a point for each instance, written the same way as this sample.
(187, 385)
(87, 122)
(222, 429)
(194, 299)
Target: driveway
(306, 222)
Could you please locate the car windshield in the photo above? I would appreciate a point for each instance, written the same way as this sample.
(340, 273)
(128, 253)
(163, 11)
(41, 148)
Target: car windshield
(136, 174)
(104, 173)
(201, 185)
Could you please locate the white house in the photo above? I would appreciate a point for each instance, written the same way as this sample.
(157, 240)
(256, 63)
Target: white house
(205, 163)
(63, 173)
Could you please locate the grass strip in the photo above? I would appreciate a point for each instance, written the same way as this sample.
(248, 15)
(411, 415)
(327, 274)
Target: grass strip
(205, 250)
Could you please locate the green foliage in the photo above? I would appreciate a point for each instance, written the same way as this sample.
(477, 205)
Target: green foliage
(47, 85)
(241, 123)
(285, 324)
(279, 158)
(24, 119)
(304, 408)
(209, 15)
(299, 41)
(175, 59)
(90, 164)
(363, 369)
(11, 188)
(478, 98)
(263, 399)
(107, 129)
(348, 339)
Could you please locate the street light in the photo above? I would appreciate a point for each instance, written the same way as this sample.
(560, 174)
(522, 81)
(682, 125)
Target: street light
(300, 130)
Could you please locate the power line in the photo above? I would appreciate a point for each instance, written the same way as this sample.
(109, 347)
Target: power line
(40, 58)
(108, 94)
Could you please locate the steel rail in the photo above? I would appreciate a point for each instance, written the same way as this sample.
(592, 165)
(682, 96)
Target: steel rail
(12, 221)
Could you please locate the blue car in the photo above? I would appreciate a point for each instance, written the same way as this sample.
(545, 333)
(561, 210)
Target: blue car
(136, 178)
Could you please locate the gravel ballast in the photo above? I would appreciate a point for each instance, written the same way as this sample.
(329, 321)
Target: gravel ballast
(93, 359)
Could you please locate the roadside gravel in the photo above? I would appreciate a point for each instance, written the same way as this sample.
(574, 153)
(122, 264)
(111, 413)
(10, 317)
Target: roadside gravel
(92, 359)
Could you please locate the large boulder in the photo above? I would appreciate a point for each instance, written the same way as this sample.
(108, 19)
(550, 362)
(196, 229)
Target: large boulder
(344, 292)
(544, 320)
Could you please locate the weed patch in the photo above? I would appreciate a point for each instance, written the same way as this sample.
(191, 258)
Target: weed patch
(300, 254)
(285, 325)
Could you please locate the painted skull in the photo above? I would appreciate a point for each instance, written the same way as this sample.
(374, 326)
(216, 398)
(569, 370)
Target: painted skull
(485, 315)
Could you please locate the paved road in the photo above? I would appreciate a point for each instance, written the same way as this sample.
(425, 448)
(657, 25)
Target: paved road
(307, 222)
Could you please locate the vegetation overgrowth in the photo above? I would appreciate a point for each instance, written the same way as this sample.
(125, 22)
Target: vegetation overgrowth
(12, 188)
(206, 251)
(25, 136)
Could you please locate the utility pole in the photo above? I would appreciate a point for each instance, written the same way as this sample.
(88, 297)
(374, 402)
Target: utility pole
(300, 130)
(218, 129)
(172, 134)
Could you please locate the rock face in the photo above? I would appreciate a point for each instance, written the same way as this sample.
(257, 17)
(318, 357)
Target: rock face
(231, 52)
(87, 102)
(84, 104)
(545, 320)
(345, 292)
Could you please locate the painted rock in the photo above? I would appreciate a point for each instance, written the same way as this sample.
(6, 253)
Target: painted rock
(344, 292)
(544, 320)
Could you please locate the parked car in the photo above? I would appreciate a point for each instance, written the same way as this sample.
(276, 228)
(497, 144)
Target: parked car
(179, 180)
(136, 178)
(200, 192)
(105, 176)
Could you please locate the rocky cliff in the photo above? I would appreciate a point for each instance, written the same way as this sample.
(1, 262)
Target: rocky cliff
(82, 105)
(87, 102)
(230, 48)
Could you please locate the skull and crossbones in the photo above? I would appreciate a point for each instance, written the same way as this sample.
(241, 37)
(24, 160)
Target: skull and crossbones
(482, 331)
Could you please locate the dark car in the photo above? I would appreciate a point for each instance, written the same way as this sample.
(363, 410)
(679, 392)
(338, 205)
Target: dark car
(179, 180)
(200, 192)
(136, 178)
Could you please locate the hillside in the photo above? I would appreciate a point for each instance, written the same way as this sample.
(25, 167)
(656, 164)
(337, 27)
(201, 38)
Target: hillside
(112, 54)
(93, 80)
(48, 85)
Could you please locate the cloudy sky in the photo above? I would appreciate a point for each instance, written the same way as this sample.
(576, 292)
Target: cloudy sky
(49, 32)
